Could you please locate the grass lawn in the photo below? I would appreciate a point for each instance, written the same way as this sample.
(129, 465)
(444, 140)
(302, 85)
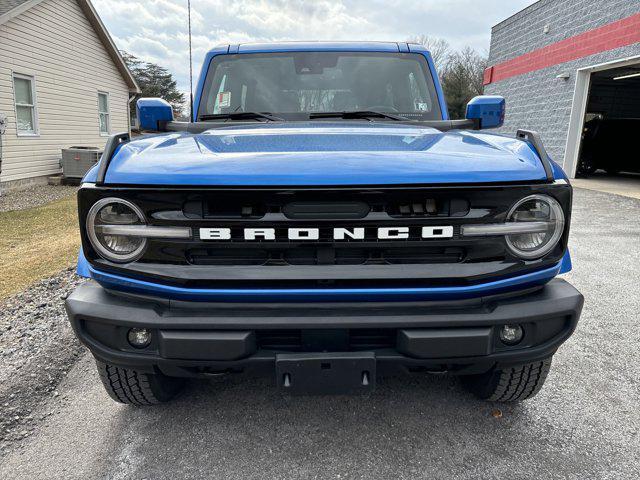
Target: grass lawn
(36, 243)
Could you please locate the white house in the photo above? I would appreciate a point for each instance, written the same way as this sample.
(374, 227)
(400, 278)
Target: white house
(62, 83)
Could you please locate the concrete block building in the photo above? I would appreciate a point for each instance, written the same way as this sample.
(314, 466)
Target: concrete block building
(560, 63)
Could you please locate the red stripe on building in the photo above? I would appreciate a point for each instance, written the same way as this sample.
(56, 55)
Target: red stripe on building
(613, 35)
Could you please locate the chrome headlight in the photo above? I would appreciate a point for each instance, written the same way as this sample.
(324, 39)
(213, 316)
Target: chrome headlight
(109, 227)
(533, 227)
(542, 221)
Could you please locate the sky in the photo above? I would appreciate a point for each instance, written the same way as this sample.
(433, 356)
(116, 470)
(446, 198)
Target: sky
(156, 30)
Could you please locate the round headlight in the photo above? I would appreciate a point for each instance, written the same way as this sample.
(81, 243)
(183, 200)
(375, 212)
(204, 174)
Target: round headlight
(548, 216)
(112, 243)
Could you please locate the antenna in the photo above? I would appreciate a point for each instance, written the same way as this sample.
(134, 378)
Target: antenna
(190, 65)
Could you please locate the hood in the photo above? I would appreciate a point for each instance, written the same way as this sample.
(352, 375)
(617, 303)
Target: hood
(322, 153)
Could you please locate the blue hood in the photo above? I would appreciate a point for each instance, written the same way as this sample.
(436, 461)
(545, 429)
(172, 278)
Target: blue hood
(322, 153)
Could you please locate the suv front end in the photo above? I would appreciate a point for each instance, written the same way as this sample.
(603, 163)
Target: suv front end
(323, 220)
(434, 279)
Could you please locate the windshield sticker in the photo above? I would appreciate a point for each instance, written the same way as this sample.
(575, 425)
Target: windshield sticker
(224, 99)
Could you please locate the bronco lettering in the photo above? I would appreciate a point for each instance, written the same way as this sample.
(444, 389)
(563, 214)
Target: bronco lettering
(314, 234)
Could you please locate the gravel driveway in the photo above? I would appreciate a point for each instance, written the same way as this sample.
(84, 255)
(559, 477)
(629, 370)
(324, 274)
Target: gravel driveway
(585, 424)
(37, 348)
(34, 196)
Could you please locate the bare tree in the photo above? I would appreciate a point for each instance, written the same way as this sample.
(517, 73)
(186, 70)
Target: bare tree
(462, 79)
(475, 65)
(461, 72)
(438, 47)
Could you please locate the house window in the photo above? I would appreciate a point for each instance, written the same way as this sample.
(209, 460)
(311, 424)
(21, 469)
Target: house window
(25, 99)
(103, 113)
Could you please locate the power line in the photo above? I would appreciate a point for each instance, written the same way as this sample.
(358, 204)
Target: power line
(190, 65)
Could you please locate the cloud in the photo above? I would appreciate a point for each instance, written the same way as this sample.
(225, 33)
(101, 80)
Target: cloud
(156, 30)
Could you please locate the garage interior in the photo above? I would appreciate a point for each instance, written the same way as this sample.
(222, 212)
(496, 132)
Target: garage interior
(609, 151)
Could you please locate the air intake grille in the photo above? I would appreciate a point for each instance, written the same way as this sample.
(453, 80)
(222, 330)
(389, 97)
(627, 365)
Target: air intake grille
(325, 255)
(326, 340)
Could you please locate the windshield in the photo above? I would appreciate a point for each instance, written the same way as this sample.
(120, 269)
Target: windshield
(292, 85)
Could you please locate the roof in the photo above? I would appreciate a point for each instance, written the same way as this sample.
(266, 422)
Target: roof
(520, 13)
(8, 5)
(12, 8)
(317, 46)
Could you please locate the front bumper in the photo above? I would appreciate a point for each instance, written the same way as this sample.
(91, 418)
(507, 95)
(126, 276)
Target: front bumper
(199, 339)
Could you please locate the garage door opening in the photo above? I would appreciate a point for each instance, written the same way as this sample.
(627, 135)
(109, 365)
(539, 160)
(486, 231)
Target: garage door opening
(609, 141)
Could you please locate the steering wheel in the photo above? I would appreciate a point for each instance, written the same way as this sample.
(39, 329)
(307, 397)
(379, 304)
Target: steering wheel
(381, 108)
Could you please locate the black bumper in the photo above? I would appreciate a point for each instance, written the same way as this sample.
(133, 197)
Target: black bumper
(196, 339)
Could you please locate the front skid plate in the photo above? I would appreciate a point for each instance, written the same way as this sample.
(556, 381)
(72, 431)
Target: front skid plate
(326, 373)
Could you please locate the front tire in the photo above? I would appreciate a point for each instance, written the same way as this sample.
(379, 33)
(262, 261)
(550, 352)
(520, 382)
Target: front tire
(510, 384)
(134, 388)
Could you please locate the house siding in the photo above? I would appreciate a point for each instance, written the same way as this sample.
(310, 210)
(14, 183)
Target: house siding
(55, 43)
(537, 100)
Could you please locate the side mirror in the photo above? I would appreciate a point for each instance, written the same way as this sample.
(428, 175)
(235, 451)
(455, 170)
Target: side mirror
(151, 111)
(487, 110)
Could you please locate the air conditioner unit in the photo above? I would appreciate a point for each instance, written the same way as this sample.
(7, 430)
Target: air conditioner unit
(76, 161)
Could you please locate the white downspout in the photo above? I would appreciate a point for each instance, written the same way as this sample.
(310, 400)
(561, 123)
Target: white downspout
(131, 99)
(3, 129)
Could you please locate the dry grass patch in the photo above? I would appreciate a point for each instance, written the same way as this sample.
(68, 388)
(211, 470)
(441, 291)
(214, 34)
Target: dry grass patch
(36, 243)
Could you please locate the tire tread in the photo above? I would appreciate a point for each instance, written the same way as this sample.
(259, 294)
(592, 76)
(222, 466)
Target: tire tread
(519, 383)
(128, 386)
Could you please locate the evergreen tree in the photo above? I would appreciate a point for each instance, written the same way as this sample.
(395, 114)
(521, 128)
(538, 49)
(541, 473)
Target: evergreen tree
(155, 81)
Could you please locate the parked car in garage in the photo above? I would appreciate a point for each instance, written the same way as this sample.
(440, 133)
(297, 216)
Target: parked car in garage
(610, 144)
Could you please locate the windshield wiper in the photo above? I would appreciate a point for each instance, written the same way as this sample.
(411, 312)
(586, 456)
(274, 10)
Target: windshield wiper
(357, 114)
(242, 116)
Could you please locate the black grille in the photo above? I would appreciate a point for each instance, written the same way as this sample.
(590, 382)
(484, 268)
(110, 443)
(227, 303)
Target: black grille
(343, 340)
(285, 340)
(325, 255)
(372, 338)
(325, 262)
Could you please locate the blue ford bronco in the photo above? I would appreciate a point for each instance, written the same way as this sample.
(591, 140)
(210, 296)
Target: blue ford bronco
(321, 219)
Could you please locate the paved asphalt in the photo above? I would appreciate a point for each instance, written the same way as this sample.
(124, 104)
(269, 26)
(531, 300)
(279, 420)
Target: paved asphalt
(585, 424)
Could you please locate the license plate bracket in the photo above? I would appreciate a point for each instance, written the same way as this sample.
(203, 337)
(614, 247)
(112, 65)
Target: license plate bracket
(349, 373)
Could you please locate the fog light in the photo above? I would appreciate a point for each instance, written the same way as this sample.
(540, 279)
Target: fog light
(511, 334)
(139, 337)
